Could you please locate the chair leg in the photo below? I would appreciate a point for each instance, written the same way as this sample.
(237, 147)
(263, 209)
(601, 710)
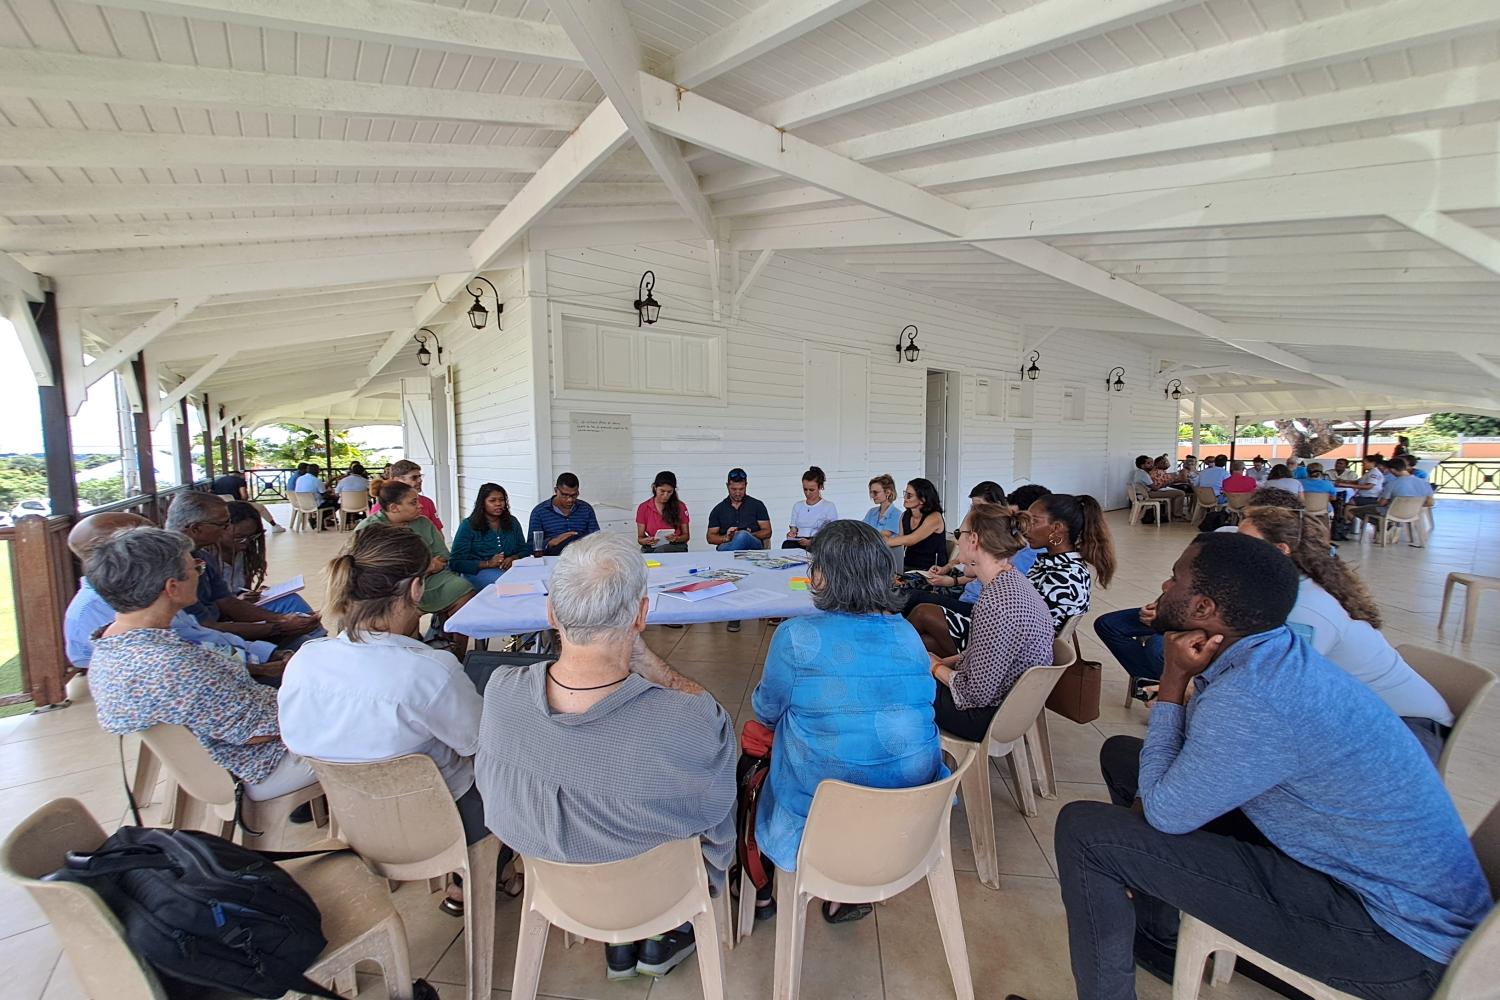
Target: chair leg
(1192, 956)
(319, 807)
(950, 921)
(1039, 743)
(1447, 593)
(1223, 968)
(791, 926)
(710, 938)
(396, 965)
(345, 984)
(1471, 610)
(722, 917)
(479, 915)
(531, 945)
(979, 807)
(1020, 772)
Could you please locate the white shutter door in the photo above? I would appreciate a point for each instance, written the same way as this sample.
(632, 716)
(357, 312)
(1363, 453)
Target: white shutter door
(417, 430)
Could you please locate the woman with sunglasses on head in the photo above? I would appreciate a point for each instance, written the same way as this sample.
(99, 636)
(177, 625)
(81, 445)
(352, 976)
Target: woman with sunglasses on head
(1072, 532)
(1337, 615)
(922, 533)
(488, 540)
(1009, 633)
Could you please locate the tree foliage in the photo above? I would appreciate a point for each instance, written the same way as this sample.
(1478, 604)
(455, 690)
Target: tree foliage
(1308, 437)
(303, 444)
(1467, 424)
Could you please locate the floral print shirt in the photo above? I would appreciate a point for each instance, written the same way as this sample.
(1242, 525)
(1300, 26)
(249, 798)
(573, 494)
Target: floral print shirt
(150, 676)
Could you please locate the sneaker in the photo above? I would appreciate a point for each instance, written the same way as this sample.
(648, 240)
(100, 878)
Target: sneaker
(620, 960)
(665, 952)
(277, 529)
(734, 626)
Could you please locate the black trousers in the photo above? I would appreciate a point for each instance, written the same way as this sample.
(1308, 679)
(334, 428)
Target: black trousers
(1226, 874)
(965, 723)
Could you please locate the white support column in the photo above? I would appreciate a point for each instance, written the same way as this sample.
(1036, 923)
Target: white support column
(534, 275)
(1197, 425)
(715, 278)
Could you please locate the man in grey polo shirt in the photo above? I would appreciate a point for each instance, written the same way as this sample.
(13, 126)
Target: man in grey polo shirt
(606, 752)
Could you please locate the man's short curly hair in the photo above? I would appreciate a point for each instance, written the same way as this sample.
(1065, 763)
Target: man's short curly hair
(1251, 582)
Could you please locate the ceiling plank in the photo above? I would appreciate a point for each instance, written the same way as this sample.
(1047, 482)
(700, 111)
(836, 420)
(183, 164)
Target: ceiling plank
(126, 347)
(39, 75)
(758, 32)
(1042, 26)
(72, 238)
(390, 22)
(1475, 244)
(602, 32)
(272, 337)
(1483, 363)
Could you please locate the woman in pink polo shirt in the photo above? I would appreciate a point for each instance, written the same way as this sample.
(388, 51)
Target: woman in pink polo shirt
(661, 523)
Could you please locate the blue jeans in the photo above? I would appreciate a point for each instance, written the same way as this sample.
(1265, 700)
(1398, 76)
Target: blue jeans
(1139, 648)
(293, 604)
(741, 541)
(483, 578)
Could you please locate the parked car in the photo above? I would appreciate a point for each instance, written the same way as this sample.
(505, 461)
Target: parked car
(25, 507)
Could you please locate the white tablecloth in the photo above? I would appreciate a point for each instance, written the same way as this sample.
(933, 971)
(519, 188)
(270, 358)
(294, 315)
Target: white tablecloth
(764, 593)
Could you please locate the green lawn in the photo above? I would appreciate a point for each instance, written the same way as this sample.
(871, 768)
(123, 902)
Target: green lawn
(10, 644)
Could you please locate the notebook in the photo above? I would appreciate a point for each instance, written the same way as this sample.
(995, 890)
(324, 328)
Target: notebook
(700, 590)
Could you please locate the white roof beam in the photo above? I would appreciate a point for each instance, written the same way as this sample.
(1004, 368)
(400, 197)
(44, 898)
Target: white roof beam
(130, 344)
(1042, 26)
(1475, 244)
(15, 307)
(603, 34)
(763, 29)
(756, 270)
(72, 238)
(390, 22)
(193, 381)
(14, 274)
(268, 337)
(1483, 364)
(67, 266)
(700, 121)
(32, 73)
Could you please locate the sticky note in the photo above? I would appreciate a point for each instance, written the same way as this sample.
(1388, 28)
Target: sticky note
(798, 583)
(653, 564)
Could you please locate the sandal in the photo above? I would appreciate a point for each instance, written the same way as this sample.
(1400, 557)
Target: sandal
(452, 907)
(848, 912)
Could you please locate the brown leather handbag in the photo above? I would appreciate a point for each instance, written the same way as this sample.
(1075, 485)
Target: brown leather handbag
(1076, 695)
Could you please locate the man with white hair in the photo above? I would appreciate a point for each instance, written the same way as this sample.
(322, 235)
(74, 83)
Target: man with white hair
(606, 752)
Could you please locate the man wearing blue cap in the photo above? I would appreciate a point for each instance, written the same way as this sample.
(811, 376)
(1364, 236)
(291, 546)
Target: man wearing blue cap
(739, 521)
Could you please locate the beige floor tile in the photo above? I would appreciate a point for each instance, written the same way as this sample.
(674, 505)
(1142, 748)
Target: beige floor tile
(26, 761)
(17, 911)
(29, 959)
(1044, 823)
(1016, 846)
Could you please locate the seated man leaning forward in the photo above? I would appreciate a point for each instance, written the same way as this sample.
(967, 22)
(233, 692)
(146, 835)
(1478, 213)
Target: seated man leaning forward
(144, 674)
(1283, 804)
(606, 752)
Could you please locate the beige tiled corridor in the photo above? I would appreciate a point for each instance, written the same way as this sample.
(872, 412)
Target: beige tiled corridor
(1016, 937)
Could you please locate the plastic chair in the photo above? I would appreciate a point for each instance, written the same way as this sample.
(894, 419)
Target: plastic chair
(864, 845)
(399, 816)
(305, 511)
(359, 919)
(1462, 684)
(1471, 974)
(351, 504)
(1207, 500)
(1065, 652)
(1006, 738)
(206, 785)
(1318, 504)
(1476, 585)
(1140, 499)
(623, 901)
(1402, 511)
(1236, 502)
(1428, 508)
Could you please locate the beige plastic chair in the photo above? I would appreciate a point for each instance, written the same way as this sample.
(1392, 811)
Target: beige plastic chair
(864, 845)
(1006, 738)
(351, 504)
(1065, 652)
(1402, 511)
(1141, 499)
(1428, 509)
(399, 816)
(1470, 976)
(359, 920)
(1462, 684)
(205, 792)
(305, 511)
(624, 901)
(1476, 585)
(1318, 504)
(1207, 500)
(1236, 502)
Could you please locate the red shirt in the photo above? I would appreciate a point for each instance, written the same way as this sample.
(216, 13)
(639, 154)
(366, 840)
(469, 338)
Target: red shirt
(429, 511)
(1239, 484)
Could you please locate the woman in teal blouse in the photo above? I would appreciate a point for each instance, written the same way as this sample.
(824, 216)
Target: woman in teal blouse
(488, 540)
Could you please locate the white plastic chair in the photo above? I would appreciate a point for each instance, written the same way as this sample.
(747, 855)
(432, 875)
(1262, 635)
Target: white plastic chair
(1402, 511)
(305, 511)
(864, 845)
(1207, 500)
(1462, 684)
(1065, 652)
(1474, 587)
(623, 901)
(359, 919)
(1140, 499)
(352, 506)
(1471, 975)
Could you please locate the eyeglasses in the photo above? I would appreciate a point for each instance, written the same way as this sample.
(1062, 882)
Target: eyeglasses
(199, 565)
(958, 533)
(566, 495)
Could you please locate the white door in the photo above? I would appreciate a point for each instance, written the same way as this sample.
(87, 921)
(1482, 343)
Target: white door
(1117, 460)
(937, 434)
(424, 413)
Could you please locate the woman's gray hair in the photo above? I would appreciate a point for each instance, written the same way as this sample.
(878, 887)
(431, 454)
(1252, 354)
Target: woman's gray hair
(131, 568)
(192, 507)
(854, 570)
(596, 588)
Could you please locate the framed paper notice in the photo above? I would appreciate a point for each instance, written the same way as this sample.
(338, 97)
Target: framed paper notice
(603, 447)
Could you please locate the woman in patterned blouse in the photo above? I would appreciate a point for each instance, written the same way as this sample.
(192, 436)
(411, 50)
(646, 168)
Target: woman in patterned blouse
(1073, 531)
(143, 674)
(1010, 631)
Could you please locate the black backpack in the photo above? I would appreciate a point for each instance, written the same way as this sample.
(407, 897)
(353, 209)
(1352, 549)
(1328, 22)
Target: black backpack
(203, 911)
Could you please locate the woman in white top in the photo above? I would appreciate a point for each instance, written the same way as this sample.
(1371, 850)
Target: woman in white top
(811, 512)
(373, 692)
(1336, 614)
(1282, 479)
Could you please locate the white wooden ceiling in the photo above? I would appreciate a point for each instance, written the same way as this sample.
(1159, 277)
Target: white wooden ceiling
(1294, 203)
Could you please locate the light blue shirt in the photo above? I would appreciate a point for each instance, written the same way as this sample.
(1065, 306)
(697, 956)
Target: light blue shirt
(1405, 486)
(1311, 485)
(88, 613)
(1329, 774)
(891, 522)
(307, 483)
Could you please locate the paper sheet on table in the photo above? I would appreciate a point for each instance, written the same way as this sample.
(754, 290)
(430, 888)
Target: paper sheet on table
(532, 589)
(291, 586)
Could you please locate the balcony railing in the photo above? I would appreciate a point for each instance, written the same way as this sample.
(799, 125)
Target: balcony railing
(1472, 478)
(270, 485)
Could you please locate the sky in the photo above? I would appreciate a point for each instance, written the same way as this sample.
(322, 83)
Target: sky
(96, 428)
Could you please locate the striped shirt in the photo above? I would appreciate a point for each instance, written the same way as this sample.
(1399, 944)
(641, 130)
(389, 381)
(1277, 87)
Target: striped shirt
(1010, 632)
(642, 767)
(551, 522)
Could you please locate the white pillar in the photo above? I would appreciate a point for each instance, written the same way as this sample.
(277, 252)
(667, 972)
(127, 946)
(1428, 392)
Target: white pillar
(1197, 424)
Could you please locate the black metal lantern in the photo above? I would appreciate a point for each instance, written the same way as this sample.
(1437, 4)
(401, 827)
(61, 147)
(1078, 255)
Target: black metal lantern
(1174, 389)
(1118, 374)
(424, 356)
(646, 307)
(1033, 371)
(478, 314)
(911, 350)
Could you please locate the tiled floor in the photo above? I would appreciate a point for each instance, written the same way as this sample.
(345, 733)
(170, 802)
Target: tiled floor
(1016, 937)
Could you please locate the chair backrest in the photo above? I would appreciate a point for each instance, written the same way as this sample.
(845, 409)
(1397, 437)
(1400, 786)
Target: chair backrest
(392, 812)
(1405, 508)
(1139, 492)
(621, 900)
(354, 503)
(1065, 633)
(1206, 496)
(1237, 501)
(1026, 697)
(1316, 503)
(190, 765)
(1472, 972)
(304, 501)
(90, 933)
(1463, 686)
(882, 838)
